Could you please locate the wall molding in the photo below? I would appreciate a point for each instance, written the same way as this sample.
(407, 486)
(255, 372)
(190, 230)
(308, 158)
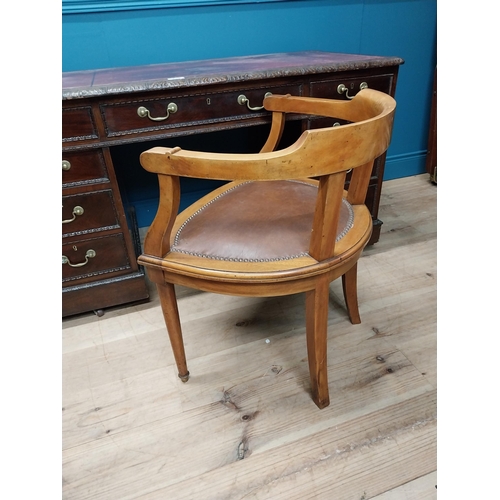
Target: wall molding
(405, 165)
(91, 6)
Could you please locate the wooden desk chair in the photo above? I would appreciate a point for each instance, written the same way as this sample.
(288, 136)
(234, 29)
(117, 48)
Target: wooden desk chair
(283, 225)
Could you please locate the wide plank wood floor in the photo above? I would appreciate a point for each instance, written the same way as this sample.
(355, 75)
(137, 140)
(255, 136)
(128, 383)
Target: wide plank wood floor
(244, 426)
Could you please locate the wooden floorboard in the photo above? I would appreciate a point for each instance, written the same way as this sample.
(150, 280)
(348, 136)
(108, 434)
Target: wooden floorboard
(244, 426)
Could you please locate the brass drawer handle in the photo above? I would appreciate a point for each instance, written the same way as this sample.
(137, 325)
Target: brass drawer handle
(242, 100)
(342, 88)
(66, 165)
(76, 211)
(90, 254)
(144, 112)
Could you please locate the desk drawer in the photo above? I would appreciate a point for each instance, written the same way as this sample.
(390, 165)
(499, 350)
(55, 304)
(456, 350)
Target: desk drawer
(88, 213)
(176, 111)
(96, 258)
(83, 167)
(330, 88)
(78, 124)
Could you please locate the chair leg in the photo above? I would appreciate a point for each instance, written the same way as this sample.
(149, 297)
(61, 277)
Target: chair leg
(350, 288)
(168, 303)
(316, 332)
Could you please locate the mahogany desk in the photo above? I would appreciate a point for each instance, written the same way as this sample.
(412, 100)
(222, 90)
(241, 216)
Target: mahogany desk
(111, 107)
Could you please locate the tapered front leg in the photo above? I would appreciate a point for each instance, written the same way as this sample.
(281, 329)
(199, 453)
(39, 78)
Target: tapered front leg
(168, 303)
(350, 288)
(316, 332)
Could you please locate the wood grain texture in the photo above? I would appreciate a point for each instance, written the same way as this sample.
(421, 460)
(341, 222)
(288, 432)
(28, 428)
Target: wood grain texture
(213, 232)
(245, 425)
(351, 146)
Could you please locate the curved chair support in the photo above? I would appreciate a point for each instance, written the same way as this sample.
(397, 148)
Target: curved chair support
(283, 224)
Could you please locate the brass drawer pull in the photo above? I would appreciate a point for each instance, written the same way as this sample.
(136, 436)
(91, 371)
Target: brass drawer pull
(66, 165)
(242, 100)
(90, 254)
(76, 211)
(144, 112)
(342, 88)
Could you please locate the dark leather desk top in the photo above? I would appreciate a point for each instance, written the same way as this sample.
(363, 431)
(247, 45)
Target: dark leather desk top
(112, 81)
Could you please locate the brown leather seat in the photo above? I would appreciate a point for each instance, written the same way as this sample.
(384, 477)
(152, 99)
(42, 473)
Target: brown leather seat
(283, 224)
(273, 223)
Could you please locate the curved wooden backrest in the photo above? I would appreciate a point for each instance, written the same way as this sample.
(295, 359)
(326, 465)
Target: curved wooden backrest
(316, 153)
(325, 153)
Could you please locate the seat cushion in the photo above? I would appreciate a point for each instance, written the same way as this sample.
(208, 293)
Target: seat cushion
(255, 222)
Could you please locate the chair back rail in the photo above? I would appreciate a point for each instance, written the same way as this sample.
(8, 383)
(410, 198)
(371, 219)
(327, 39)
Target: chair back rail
(352, 145)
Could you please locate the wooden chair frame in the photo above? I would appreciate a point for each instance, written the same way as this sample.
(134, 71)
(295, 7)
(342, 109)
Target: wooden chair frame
(321, 156)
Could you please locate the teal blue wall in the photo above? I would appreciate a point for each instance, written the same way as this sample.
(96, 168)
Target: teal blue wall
(403, 28)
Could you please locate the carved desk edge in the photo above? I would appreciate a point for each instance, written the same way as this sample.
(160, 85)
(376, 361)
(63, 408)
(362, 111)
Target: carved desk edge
(126, 80)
